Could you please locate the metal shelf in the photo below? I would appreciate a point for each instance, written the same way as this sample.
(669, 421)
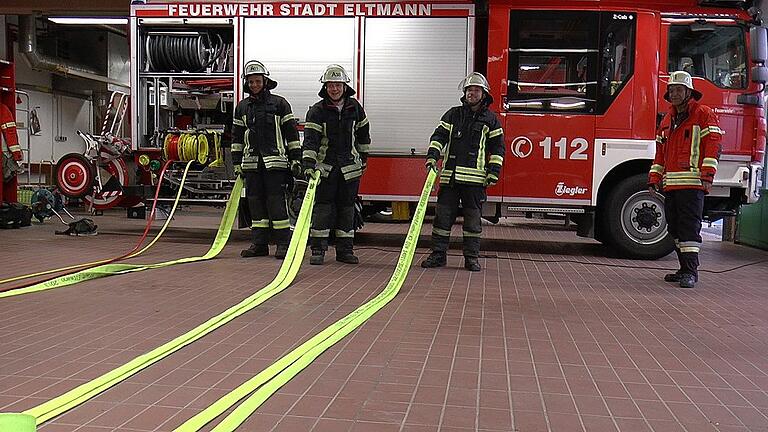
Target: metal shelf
(201, 75)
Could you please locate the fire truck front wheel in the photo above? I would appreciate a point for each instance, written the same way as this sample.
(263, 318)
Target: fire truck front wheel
(634, 220)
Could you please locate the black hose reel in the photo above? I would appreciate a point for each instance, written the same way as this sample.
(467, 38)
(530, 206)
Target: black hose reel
(182, 51)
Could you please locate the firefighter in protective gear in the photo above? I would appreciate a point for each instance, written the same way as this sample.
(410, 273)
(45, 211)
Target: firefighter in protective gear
(265, 143)
(687, 152)
(470, 139)
(336, 144)
(10, 155)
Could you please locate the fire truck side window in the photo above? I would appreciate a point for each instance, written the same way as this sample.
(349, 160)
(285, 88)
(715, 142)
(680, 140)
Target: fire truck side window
(568, 61)
(553, 61)
(716, 53)
(617, 48)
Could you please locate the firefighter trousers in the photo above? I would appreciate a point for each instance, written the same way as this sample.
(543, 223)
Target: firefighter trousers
(334, 209)
(265, 191)
(471, 199)
(684, 210)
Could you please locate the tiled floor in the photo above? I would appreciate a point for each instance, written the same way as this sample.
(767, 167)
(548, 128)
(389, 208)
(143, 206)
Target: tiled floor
(551, 336)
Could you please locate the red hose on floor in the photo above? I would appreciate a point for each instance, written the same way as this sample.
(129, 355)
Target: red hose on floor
(78, 267)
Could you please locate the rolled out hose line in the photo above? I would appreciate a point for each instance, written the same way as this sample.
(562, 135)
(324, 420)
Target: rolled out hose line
(285, 276)
(103, 269)
(262, 386)
(71, 269)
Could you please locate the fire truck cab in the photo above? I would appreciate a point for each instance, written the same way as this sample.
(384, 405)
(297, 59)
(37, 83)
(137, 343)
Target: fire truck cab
(579, 86)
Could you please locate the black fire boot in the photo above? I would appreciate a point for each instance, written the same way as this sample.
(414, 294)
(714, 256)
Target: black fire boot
(687, 280)
(255, 251)
(472, 264)
(346, 257)
(282, 251)
(318, 257)
(435, 259)
(673, 277)
(259, 245)
(344, 251)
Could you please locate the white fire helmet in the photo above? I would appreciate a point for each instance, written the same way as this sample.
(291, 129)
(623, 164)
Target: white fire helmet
(255, 67)
(335, 73)
(475, 79)
(682, 78)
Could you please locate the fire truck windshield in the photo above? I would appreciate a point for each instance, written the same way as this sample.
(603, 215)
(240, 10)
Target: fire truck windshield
(714, 52)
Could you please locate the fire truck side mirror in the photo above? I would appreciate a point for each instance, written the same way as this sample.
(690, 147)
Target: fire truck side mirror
(759, 74)
(759, 44)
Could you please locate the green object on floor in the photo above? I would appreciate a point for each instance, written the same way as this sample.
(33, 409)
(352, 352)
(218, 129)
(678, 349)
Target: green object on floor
(753, 223)
(262, 386)
(13, 422)
(284, 278)
(24, 196)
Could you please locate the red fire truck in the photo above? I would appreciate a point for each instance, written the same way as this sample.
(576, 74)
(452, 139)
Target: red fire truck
(578, 86)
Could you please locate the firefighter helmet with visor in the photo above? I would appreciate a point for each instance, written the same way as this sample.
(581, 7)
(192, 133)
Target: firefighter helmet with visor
(255, 67)
(335, 73)
(682, 78)
(475, 79)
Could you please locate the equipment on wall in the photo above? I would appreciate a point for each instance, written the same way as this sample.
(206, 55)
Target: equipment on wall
(183, 51)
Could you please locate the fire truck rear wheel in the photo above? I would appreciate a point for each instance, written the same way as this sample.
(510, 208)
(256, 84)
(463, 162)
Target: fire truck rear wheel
(634, 222)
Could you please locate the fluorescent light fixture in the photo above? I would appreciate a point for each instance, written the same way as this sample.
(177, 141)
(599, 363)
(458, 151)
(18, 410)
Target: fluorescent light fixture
(88, 20)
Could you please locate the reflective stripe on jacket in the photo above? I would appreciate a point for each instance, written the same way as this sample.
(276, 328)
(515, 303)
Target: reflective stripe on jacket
(8, 136)
(263, 126)
(337, 138)
(687, 153)
(471, 144)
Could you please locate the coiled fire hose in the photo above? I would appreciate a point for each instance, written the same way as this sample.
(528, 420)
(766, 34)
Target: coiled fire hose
(27, 420)
(192, 146)
(182, 52)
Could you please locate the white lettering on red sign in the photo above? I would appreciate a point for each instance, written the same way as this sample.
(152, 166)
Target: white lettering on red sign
(298, 9)
(561, 189)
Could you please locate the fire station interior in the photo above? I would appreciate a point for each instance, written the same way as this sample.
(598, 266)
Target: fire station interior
(125, 303)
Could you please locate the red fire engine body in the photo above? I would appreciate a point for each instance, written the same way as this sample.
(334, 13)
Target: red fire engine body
(577, 84)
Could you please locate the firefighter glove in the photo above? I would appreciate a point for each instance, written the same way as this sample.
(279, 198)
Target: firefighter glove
(491, 179)
(17, 156)
(431, 164)
(296, 170)
(310, 173)
(238, 169)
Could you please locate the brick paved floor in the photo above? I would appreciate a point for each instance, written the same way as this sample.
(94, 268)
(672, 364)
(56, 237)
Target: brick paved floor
(553, 335)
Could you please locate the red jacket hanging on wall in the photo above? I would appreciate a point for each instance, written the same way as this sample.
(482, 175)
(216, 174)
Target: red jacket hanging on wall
(9, 145)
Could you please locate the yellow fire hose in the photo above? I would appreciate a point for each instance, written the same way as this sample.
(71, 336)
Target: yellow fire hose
(218, 151)
(196, 145)
(27, 421)
(259, 388)
(94, 272)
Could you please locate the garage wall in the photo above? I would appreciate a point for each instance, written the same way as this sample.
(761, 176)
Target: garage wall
(60, 115)
(2, 38)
